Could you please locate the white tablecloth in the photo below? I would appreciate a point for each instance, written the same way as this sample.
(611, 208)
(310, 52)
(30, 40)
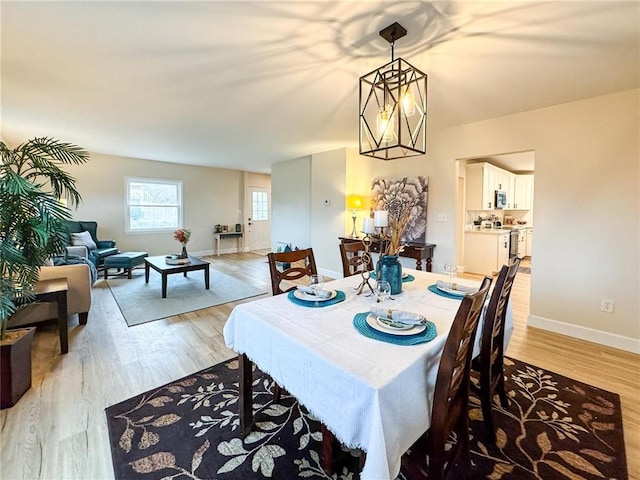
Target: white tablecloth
(372, 395)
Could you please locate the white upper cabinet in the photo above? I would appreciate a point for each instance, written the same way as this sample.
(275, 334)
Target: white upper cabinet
(523, 197)
(483, 179)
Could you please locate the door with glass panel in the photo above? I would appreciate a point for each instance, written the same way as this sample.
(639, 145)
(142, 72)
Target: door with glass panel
(258, 219)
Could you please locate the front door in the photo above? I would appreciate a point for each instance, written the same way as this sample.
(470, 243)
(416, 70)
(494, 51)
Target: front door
(259, 219)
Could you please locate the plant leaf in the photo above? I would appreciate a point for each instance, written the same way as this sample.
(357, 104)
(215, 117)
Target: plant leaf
(197, 457)
(153, 463)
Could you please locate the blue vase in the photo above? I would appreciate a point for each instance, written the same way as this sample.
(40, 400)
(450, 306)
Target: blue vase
(389, 268)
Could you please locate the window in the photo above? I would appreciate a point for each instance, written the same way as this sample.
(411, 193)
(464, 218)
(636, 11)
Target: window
(260, 203)
(153, 205)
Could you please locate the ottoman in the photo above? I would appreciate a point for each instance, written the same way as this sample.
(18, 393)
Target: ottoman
(126, 260)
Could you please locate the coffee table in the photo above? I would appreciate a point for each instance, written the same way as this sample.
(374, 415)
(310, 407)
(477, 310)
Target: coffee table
(160, 265)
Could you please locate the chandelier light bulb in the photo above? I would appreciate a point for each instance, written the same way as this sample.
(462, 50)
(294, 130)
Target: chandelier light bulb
(408, 102)
(385, 124)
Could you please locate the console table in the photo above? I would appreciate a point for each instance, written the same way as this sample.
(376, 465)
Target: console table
(219, 236)
(417, 251)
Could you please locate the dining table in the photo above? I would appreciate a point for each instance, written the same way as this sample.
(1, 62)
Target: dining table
(371, 387)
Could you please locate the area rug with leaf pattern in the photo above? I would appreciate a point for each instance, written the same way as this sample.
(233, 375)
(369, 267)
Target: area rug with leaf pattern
(553, 428)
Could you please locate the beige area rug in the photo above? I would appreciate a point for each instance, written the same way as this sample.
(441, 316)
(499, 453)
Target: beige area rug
(142, 302)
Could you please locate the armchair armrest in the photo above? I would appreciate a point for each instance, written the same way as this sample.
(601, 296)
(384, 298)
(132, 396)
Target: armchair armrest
(105, 243)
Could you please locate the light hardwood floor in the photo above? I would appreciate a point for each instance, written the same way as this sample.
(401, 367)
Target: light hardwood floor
(58, 429)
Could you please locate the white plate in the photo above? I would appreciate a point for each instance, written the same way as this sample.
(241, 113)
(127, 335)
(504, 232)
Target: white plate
(450, 291)
(299, 294)
(384, 322)
(372, 321)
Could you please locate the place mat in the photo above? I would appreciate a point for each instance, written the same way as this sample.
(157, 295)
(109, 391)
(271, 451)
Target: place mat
(340, 297)
(433, 288)
(361, 325)
(408, 278)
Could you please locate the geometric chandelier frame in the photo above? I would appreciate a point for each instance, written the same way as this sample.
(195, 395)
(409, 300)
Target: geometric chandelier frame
(393, 107)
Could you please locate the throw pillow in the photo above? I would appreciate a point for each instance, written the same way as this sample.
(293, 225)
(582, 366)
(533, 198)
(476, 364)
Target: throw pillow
(83, 238)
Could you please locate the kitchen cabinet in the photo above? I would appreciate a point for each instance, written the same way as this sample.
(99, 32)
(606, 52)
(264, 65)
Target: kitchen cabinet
(529, 242)
(483, 179)
(523, 195)
(486, 252)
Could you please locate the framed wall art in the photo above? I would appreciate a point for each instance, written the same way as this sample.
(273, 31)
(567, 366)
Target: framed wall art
(398, 195)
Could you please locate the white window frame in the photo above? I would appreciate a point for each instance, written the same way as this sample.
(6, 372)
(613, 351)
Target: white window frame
(127, 205)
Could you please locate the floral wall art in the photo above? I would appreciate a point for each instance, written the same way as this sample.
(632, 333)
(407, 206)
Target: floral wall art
(399, 196)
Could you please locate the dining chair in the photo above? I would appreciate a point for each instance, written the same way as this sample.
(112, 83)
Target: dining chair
(294, 271)
(490, 362)
(450, 407)
(352, 259)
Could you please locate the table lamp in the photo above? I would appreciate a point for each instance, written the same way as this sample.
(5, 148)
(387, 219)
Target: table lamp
(354, 202)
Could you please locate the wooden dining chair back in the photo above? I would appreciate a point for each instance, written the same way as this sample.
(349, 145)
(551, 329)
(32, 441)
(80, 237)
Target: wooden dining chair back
(299, 263)
(352, 260)
(490, 362)
(450, 411)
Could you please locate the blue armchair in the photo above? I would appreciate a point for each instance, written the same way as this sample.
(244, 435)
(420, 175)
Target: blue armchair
(104, 248)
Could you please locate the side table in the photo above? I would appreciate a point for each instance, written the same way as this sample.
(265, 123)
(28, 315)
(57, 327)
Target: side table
(55, 290)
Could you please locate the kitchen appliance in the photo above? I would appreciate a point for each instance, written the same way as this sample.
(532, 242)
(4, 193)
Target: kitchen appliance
(501, 199)
(513, 243)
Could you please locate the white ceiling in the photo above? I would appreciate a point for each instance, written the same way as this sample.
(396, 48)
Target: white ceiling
(245, 84)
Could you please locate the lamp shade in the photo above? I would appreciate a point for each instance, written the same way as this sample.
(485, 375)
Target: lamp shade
(354, 202)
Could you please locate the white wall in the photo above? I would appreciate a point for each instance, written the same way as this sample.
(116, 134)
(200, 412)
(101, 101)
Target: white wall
(586, 205)
(210, 195)
(291, 202)
(328, 174)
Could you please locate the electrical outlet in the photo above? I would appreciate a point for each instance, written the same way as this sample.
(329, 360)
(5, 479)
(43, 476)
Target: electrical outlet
(442, 217)
(606, 305)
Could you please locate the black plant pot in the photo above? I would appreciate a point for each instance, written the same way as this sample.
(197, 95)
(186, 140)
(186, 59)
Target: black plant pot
(15, 365)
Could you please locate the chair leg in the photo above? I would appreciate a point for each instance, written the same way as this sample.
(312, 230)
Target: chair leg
(83, 317)
(327, 450)
(277, 393)
(504, 400)
(487, 414)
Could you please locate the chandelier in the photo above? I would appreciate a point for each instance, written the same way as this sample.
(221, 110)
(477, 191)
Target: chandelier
(393, 106)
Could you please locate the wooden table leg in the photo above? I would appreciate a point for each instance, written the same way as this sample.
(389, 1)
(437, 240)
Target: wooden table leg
(206, 277)
(245, 393)
(63, 325)
(164, 285)
(146, 272)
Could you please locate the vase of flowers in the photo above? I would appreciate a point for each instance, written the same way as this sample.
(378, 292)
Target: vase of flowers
(182, 235)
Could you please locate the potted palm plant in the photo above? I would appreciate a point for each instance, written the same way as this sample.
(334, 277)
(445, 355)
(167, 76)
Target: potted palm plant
(32, 230)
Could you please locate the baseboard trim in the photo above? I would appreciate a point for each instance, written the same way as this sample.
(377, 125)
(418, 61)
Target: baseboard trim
(585, 333)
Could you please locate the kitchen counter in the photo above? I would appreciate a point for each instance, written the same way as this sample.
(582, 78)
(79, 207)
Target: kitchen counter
(497, 231)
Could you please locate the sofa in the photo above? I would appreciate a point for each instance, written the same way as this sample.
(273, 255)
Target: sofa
(103, 248)
(78, 296)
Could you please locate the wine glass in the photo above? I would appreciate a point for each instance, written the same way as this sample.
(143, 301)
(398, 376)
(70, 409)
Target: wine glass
(383, 291)
(316, 282)
(451, 271)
